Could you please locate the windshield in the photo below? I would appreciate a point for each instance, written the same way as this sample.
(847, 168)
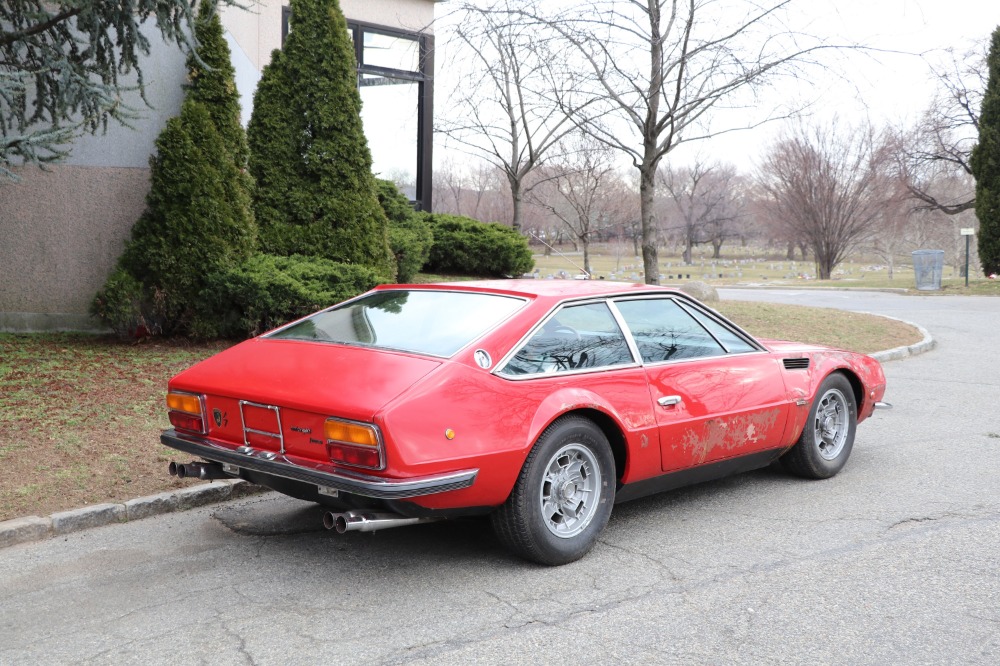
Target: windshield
(438, 323)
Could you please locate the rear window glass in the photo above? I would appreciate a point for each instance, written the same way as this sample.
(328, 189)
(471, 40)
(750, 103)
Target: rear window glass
(437, 323)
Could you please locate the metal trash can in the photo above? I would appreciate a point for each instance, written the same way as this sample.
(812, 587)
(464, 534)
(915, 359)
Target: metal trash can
(927, 268)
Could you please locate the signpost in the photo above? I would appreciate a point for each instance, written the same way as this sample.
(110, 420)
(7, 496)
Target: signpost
(967, 232)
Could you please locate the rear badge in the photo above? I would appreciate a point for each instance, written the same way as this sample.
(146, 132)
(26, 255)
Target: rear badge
(220, 418)
(483, 359)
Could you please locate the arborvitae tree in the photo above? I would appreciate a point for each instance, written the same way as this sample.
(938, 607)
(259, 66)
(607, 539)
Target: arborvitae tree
(198, 218)
(986, 165)
(213, 81)
(197, 221)
(308, 153)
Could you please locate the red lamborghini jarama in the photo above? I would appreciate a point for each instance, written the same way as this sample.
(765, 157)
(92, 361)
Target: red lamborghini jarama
(538, 403)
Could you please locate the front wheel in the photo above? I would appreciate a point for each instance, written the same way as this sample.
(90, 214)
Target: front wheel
(828, 437)
(562, 499)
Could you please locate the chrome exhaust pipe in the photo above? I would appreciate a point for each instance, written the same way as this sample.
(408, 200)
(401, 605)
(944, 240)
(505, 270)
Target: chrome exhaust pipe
(368, 521)
(197, 470)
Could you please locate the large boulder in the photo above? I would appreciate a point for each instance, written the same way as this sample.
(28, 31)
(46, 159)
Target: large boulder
(704, 292)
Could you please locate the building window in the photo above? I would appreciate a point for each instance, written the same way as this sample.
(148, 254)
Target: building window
(395, 79)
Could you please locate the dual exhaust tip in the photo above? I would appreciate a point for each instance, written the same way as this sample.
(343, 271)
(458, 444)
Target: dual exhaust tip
(348, 521)
(197, 470)
(368, 521)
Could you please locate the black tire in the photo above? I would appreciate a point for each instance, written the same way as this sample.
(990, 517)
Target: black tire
(828, 436)
(548, 518)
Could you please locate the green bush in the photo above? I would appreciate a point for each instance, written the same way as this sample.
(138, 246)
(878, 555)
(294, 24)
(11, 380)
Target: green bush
(467, 246)
(212, 81)
(197, 219)
(986, 164)
(119, 305)
(267, 291)
(309, 156)
(410, 236)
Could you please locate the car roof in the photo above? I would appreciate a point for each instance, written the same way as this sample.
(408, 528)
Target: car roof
(555, 290)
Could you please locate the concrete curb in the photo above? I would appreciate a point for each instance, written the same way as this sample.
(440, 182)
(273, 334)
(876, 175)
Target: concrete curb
(925, 345)
(35, 528)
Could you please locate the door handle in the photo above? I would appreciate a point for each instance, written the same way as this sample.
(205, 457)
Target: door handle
(669, 400)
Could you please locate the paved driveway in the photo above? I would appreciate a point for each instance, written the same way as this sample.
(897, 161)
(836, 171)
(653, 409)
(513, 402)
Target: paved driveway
(895, 560)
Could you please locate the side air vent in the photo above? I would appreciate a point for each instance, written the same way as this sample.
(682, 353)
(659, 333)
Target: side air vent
(796, 363)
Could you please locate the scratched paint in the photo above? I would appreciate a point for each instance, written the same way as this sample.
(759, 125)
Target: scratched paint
(723, 437)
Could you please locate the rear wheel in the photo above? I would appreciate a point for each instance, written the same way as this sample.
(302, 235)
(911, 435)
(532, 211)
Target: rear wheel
(828, 436)
(562, 499)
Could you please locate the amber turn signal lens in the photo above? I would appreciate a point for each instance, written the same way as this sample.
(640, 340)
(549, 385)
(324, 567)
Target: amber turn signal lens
(184, 402)
(351, 433)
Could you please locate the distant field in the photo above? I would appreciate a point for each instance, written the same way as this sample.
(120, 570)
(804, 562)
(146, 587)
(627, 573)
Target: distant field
(746, 266)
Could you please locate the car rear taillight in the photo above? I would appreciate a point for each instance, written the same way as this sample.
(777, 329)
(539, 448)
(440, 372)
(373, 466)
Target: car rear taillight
(187, 411)
(354, 444)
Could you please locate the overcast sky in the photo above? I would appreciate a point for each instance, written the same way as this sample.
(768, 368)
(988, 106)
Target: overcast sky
(885, 86)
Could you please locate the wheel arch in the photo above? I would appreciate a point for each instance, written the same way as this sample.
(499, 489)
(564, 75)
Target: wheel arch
(611, 430)
(857, 387)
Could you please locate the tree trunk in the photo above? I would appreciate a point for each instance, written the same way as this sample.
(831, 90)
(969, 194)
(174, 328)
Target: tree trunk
(647, 188)
(586, 254)
(790, 251)
(516, 196)
(716, 248)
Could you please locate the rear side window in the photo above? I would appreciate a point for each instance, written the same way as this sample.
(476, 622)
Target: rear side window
(577, 337)
(664, 331)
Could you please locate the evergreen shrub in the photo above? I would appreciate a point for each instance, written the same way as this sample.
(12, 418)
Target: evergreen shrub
(267, 291)
(410, 236)
(315, 194)
(197, 220)
(466, 246)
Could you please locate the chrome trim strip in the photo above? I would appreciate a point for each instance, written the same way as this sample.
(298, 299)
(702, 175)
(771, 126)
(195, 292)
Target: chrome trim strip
(378, 436)
(201, 401)
(590, 300)
(319, 474)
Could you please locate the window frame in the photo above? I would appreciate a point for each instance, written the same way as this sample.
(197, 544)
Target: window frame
(686, 305)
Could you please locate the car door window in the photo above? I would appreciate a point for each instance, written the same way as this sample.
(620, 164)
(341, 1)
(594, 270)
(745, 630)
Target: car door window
(577, 337)
(733, 343)
(664, 331)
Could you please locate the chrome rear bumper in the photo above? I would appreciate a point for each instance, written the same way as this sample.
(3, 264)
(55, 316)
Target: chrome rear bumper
(325, 477)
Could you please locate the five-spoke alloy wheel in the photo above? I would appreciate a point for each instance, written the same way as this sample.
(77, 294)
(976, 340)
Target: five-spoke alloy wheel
(563, 496)
(828, 437)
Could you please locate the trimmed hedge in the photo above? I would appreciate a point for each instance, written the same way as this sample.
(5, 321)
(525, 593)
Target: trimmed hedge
(467, 246)
(267, 291)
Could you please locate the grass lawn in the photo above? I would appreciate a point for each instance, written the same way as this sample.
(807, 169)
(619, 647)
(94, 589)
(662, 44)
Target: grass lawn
(80, 415)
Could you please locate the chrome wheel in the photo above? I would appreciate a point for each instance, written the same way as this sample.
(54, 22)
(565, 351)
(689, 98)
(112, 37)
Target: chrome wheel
(570, 490)
(831, 424)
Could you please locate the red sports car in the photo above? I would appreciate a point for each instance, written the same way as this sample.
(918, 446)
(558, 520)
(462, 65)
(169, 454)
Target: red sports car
(538, 403)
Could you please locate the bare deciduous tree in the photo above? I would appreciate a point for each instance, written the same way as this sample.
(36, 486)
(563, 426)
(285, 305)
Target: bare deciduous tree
(501, 107)
(658, 68)
(940, 146)
(583, 192)
(828, 184)
(706, 204)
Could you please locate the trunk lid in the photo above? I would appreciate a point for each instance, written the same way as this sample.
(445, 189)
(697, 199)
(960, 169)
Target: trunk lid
(322, 378)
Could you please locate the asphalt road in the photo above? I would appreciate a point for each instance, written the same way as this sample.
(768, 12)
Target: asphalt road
(895, 560)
